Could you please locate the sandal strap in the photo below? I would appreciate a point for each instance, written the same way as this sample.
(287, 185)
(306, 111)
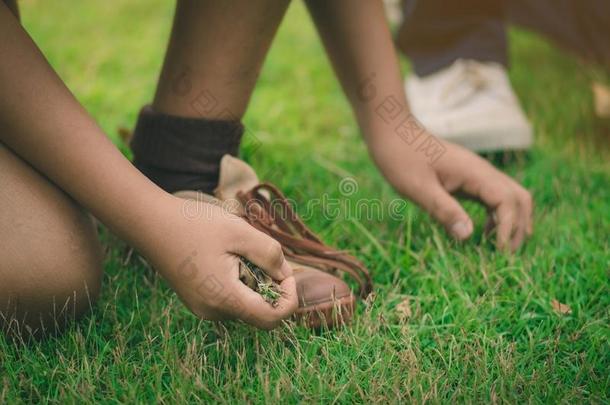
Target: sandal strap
(275, 217)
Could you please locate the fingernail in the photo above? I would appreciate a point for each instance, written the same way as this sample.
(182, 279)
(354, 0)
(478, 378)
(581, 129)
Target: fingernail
(461, 230)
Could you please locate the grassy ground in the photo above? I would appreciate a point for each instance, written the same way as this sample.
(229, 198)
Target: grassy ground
(480, 325)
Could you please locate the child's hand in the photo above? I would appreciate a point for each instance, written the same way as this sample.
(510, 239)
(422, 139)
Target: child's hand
(430, 181)
(197, 250)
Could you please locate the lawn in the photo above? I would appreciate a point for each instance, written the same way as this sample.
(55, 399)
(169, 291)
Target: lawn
(448, 322)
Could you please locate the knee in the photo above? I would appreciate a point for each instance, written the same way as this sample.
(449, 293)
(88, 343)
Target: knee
(58, 283)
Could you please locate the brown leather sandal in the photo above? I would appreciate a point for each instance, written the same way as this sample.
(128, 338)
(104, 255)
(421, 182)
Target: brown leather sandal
(275, 216)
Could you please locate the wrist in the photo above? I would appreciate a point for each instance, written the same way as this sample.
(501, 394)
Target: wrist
(138, 212)
(410, 143)
(153, 217)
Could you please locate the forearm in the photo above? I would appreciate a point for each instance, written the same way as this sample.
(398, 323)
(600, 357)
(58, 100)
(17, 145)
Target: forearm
(360, 47)
(42, 122)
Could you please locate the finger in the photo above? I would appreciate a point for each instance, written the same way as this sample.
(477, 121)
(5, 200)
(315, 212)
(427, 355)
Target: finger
(518, 236)
(505, 224)
(528, 207)
(448, 211)
(261, 250)
(525, 219)
(500, 198)
(249, 306)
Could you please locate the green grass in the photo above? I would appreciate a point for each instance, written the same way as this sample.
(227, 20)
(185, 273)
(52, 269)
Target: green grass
(481, 328)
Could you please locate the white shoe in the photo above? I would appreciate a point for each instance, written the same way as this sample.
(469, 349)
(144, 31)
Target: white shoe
(472, 104)
(393, 12)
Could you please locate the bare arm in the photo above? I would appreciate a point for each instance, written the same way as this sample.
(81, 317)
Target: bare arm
(43, 123)
(360, 47)
(420, 166)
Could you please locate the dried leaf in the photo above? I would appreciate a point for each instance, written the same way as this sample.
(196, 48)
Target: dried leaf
(601, 99)
(404, 309)
(561, 308)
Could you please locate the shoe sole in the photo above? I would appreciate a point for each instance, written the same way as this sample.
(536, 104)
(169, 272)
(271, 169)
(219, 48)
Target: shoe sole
(330, 314)
(498, 141)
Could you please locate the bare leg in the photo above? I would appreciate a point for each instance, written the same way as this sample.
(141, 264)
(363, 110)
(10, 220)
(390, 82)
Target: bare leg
(216, 47)
(50, 258)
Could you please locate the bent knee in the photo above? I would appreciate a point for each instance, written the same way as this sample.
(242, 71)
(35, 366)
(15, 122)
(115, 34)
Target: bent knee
(46, 286)
(50, 256)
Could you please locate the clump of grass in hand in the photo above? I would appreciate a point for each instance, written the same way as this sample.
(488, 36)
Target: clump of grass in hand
(255, 278)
